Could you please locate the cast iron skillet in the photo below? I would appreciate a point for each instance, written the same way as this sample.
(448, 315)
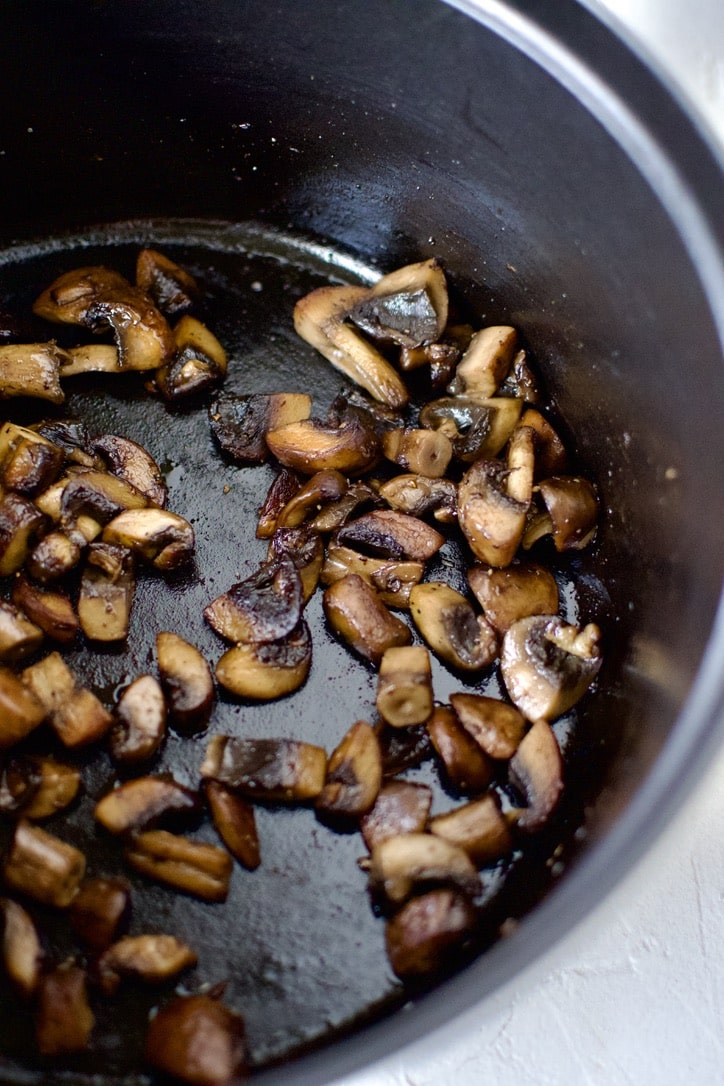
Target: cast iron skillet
(556, 180)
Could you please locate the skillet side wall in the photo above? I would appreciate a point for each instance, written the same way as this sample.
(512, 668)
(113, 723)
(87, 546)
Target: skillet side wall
(397, 136)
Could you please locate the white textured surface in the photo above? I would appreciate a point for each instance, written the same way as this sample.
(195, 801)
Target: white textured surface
(635, 995)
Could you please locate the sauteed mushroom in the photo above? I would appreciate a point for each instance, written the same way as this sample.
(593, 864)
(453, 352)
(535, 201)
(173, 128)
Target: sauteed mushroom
(240, 423)
(106, 593)
(514, 592)
(427, 452)
(467, 766)
(265, 607)
(172, 288)
(42, 866)
(31, 369)
(68, 298)
(497, 727)
(99, 910)
(197, 364)
(22, 953)
(491, 519)
(392, 580)
(401, 807)
(142, 333)
(20, 524)
(20, 709)
(142, 802)
(198, 1040)
(349, 445)
(73, 711)
(192, 867)
(451, 628)
(486, 362)
(537, 772)
(422, 935)
(392, 535)
(141, 721)
(53, 612)
(354, 774)
(408, 306)
(268, 769)
(405, 863)
(64, 1020)
(404, 687)
(131, 462)
(475, 426)
(265, 671)
(478, 827)
(419, 495)
(356, 613)
(235, 823)
(150, 958)
(186, 681)
(19, 637)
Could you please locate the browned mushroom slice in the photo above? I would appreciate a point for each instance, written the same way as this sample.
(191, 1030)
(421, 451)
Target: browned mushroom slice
(354, 773)
(304, 547)
(141, 721)
(193, 867)
(486, 362)
(521, 464)
(42, 785)
(333, 515)
(172, 288)
(496, 726)
(390, 534)
(573, 510)
(106, 592)
(548, 665)
(467, 767)
(19, 637)
(447, 622)
(521, 381)
(53, 612)
(409, 306)
(358, 615)
(393, 581)
(22, 954)
(68, 297)
(29, 462)
(427, 452)
(99, 910)
(198, 1040)
(400, 865)
(422, 935)
(265, 607)
(64, 1020)
(186, 681)
(150, 958)
(492, 521)
(31, 369)
(478, 827)
(404, 686)
(325, 486)
(71, 436)
(42, 866)
(476, 426)
(309, 446)
(20, 523)
(162, 538)
(240, 423)
(91, 358)
(198, 363)
(400, 807)
(235, 823)
(55, 555)
(419, 495)
(441, 356)
(142, 333)
(283, 487)
(267, 769)
(537, 772)
(74, 712)
(403, 748)
(319, 318)
(99, 495)
(20, 710)
(134, 465)
(269, 670)
(550, 452)
(514, 592)
(144, 801)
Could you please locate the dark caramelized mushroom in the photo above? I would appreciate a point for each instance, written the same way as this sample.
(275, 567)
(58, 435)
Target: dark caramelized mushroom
(162, 538)
(133, 464)
(403, 864)
(268, 670)
(74, 712)
(141, 721)
(172, 288)
(451, 628)
(192, 867)
(42, 866)
(265, 607)
(142, 802)
(573, 510)
(466, 765)
(409, 306)
(537, 772)
(336, 513)
(283, 487)
(19, 637)
(20, 710)
(31, 369)
(267, 769)
(67, 299)
(186, 681)
(393, 581)
(143, 337)
(479, 827)
(400, 807)
(391, 535)
(486, 362)
(304, 547)
(240, 423)
(22, 954)
(106, 593)
(235, 823)
(28, 462)
(358, 615)
(198, 1040)
(496, 726)
(53, 612)
(354, 773)
(43, 785)
(198, 363)
(492, 521)
(325, 486)
(55, 555)
(419, 495)
(514, 592)
(90, 358)
(64, 1020)
(20, 523)
(100, 909)
(476, 426)
(423, 934)
(99, 495)
(550, 452)
(153, 959)
(310, 446)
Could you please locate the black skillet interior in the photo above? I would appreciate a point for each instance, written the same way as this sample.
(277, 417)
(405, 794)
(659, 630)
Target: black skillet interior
(389, 137)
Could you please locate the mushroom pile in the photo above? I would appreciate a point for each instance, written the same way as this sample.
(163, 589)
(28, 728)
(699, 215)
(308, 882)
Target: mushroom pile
(363, 501)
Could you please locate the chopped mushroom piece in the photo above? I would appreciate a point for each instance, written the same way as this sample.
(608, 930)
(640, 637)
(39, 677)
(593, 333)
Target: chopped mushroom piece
(267, 769)
(392, 580)
(550, 452)
(409, 306)
(64, 1021)
(193, 867)
(99, 910)
(486, 362)
(404, 686)
(467, 767)
(19, 637)
(496, 726)
(573, 510)
(130, 462)
(186, 680)
(198, 363)
(514, 592)
(403, 864)
(492, 521)
(20, 710)
(547, 665)
(419, 495)
(521, 381)
(305, 548)
(54, 556)
(283, 487)
(67, 299)
(358, 615)
(479, 827)
(349, 446)
(426, 452)
(162, 538)
(20, 523)
(265, 607)
(42, 866)
(106, 593)
(29, 463)
(91, 358)
(422, 935)
(74, 712)
(537, 772)
(476, 426)
(141, 721)
(451, 628)
(391, 535)
(400, 807)
(268, 670)
(31, 369)
(325, 486)
(150, 958)
(198, 1040)
(41, 785)
(235, 823)
(320, 319)
(354, 773)
(240, 423)
(144, 801)
(172, 288)
(334, 514)
(53, 612)
(403, 748)
(100, 495)
(142, 333)
(22, 954)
